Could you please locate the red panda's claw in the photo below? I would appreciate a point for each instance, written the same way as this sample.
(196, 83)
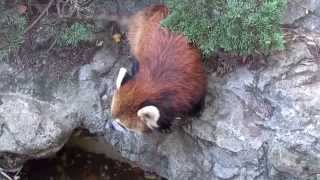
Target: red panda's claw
(165, 130)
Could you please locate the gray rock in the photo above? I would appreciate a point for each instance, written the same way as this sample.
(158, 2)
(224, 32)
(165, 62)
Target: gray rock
(32, 127)
(298, 9)
(295, 155)
(311, 23)
(89, 105)
(256, 125)
(46, 32)
(225, 173)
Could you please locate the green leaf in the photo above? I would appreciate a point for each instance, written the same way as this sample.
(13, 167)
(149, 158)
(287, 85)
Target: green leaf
(238, 26)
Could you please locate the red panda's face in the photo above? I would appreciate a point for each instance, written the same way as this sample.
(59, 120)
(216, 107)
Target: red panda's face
(124, 116)
(127, 110)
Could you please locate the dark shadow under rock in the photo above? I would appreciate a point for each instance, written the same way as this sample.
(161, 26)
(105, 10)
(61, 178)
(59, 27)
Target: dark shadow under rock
(75, 164)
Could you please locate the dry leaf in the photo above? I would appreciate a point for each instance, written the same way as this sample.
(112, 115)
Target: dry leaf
(116, 38)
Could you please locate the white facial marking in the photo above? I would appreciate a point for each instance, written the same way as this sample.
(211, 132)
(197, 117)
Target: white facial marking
(122, 73)
(118, 125)
(150, 115)
(112, 103)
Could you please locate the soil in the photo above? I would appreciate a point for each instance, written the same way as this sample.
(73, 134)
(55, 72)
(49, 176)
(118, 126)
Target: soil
(56, 62)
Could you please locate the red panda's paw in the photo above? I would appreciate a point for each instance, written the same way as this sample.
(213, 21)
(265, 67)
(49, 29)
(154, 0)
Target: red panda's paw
(165, 131)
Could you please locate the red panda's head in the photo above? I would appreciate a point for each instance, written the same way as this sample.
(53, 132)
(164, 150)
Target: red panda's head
(128, 110)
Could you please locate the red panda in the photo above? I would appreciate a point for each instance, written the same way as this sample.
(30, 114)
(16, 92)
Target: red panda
(170, 80)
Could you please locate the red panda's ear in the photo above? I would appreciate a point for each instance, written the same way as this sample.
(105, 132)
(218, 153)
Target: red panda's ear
(121, 75)
(150, 115)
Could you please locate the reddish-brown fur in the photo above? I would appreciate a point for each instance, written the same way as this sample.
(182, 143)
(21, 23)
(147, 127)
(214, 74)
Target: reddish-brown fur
(171, 75)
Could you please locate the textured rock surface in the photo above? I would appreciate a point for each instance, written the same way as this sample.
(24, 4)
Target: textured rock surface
(257, 124)
(261, 123)
(299, 9)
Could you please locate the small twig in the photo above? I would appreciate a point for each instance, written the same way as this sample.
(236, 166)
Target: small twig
(5, 175)
(40, 16)
(86, 3)
(52, 45)
(58, 7)
(16, 176)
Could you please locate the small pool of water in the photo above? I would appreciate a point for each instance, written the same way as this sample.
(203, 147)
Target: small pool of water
(75, 164)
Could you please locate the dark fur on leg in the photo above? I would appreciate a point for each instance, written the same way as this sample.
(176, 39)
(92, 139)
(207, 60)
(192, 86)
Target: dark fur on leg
(198, 108)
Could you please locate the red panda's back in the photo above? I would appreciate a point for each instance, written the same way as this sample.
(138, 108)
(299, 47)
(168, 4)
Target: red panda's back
(168, 63)
(141, 27)
(170, 79)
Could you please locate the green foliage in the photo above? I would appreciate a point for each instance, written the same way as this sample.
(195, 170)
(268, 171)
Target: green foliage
(11, 32)
(237, 26)
(75, 34)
